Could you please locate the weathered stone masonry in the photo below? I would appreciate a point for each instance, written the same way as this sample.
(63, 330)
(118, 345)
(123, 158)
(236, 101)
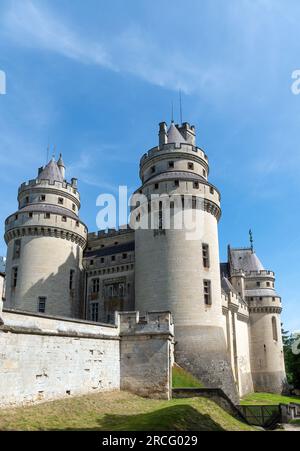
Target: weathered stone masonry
(44, 358)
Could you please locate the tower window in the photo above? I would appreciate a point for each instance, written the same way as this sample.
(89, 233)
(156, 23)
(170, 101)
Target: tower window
(176, 183)
(30, 215)
(171, 164)
(212, 191)
(95, 285)
(194, 202)
(94, 312)
(73, 207)
(42, 197)
(205, 255)
(124, 256)
(207, 292)
(27, 200)
(268, 284)
(274, 329)
(14, 277)
(152, 169)
(102, 260)
(156, 186)
(113, 258)
(77, 223)
(71, 281)
(91, 262)
(191, 166)
(17, 249)
(258, 284)
(60, 200)
(64, 219)
(204, 173)
(160, 217)
(47, 215)
(42, 304)
(196, 185)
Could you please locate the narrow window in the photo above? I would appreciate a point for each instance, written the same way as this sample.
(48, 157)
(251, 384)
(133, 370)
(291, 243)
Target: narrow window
(207, 292)
(204, 173)
(14, 277)
(27, 200)
(194, 202)
(64, 219)
(77, 223)
(205, 255)
(47, 215)
(124, 256)
(102, 260)
(171, 164)
(156, 186)
(42, 304)
(113, 258)
(191, 166)
(94, 312)
(17, 249)
(42, 197)
(91, 262)
(95, 285)
(196, 185)
(73, 207)
(160, 217)
(274, 329)
(71, 281)
(152, 169)
(176, 183)
(30, 215)
(212, 191)
(268, 284)
(60, 200)
(258, 284)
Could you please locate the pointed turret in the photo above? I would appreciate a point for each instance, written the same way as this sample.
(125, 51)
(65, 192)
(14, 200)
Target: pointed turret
(61, 166)
(51, 172)
(174, 135)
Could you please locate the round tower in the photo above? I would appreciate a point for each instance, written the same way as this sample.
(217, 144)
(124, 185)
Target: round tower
(177, 265)
(266, 348)
(45, 240)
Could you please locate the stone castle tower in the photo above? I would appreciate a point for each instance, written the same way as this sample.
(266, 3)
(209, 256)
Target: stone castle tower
(178, 274)
(45, 240)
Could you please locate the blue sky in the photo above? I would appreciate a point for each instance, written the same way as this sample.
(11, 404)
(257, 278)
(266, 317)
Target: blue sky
(95, 78)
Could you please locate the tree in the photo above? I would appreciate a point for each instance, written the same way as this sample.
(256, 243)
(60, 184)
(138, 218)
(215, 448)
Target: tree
(291, 348)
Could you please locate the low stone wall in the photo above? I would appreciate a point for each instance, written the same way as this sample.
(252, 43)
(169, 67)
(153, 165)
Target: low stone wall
(147, 354)
(45, 358)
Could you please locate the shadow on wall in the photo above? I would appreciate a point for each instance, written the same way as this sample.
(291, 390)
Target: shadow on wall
(175, 418)
(61, 300)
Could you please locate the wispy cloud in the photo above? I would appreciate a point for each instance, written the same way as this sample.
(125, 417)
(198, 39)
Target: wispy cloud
(30, 25)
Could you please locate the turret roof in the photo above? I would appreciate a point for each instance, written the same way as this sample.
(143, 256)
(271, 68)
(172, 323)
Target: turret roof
(174, 135)
(51, 172)
(245, 259)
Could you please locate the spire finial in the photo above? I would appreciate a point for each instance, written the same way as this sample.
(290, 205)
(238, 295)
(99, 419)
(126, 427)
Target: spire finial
(251, 240)
(180, 106)
(172, 114)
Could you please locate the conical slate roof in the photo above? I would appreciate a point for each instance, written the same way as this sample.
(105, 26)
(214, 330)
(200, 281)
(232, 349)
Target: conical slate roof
(246, 260)
(51, 172)
(174, 135)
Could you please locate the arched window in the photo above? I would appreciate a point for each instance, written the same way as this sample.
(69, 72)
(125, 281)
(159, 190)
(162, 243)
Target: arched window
(274, 329)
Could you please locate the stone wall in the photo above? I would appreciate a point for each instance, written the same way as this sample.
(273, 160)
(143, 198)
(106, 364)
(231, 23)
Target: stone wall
(147, 354)
(44, 358)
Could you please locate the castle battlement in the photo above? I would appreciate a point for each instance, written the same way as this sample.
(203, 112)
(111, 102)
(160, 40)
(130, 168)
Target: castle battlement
(43, 183)
(170, 147)
(159, 322)
(109, 233)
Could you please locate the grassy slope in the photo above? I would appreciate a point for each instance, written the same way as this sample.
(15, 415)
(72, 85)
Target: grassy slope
(183, 379)
(121, 411)
(268, 399)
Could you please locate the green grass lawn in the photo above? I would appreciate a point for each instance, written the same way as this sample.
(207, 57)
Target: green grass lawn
(268, 399)
(121, 411)
(183, 379)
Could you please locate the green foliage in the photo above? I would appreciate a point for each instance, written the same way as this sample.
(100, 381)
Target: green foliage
(183, 379)
(292, 359)
(121, 411)
(265, 399)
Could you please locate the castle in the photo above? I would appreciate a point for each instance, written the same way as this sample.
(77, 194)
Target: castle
(226, 315)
